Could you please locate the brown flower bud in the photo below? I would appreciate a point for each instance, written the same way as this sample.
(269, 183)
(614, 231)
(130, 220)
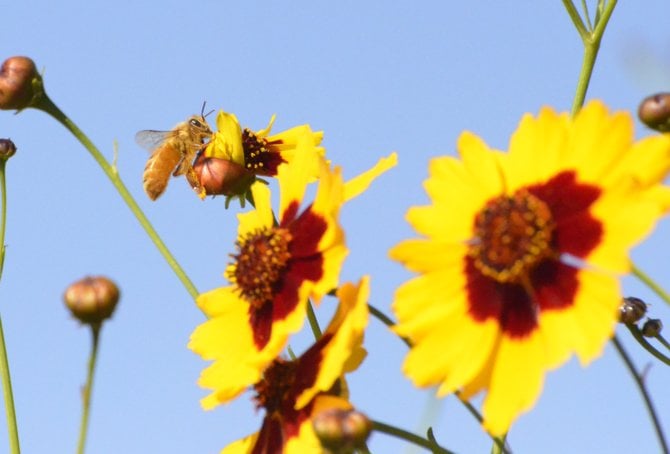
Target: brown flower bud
(654, 111)
(631, 310)
(7, 149)
(92, 299)
(341, 431)
(17, 83)
(652, 327)
(222, 177)
(357, 427)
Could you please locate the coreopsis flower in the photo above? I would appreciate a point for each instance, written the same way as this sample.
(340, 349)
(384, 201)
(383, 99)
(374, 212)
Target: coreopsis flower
(235, 156)
(294, 392)
(522, 251)
(277, 268)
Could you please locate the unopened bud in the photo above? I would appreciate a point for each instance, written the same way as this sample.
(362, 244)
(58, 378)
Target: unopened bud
(19, 80)
(652, 327)
(341, 431)
(222, 177)
(92, 299)
(631, 310)
(7, 149)
(654, 111)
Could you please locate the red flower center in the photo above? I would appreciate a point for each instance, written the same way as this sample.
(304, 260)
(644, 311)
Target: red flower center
(259, 155)
(275, 388)
(512, 235)
(262, 257)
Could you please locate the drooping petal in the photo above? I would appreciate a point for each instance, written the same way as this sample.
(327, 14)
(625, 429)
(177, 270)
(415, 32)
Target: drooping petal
(341, 341)
(359, 184)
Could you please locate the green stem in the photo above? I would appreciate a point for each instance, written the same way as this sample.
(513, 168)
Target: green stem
(313, 322)
(576, 19)
(663, 341)
(86, 394)
(635, 331)
(409, 436)
(386, 320)
(645, 395)
(50, 108)
(649, 282)
(12, 427)
(591, 41)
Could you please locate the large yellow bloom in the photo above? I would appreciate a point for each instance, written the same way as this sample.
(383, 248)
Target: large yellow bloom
(522, 252)
(277, 268)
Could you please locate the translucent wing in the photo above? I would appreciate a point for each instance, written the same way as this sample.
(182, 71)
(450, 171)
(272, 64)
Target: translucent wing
(150, 140)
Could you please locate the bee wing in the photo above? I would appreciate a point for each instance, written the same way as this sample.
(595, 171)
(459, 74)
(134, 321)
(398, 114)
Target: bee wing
(150, 140)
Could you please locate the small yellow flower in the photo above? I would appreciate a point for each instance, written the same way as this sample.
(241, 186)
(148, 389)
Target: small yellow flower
(293, 392)
(259, 152)
(521, 254)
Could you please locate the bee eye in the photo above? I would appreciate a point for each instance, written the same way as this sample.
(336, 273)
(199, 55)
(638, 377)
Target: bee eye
(196, 123)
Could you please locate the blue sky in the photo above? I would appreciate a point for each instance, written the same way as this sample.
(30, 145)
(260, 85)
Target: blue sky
(376, 77)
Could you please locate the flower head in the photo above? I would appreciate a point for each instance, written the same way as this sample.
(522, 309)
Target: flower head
(253, 153)
(293, 392)
(519, 264)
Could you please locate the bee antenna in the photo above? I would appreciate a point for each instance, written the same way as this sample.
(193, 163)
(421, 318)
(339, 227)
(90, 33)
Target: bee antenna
(202, 111)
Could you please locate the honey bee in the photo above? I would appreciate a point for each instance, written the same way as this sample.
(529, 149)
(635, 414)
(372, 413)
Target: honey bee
(173, 153)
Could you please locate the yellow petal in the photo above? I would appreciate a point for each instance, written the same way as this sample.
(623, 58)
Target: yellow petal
(346, 328)
(516, 382)
(261, 217)
(357, 185)
(242, 446)
(227, 141)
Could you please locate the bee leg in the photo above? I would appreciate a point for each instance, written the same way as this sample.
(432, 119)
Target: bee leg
(194, 181)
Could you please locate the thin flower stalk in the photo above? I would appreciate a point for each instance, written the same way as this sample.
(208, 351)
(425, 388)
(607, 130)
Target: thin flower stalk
(645, 394)
(45, 104)
(591, 39)
(88, 389)
(12, 427)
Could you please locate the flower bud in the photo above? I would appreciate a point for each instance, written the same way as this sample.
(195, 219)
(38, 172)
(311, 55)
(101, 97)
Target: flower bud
(654, 111)
(341, 431)
(631, 310)
(7, 149)
(222, 177)
(17, 87)
(357, 427)
(92, 299)
(328, 428)
(652, 327)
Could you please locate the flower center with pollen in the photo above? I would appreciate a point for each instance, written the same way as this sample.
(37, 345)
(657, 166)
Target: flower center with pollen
(512, 235)
(273, 390)
(263, 255)
(254, 150)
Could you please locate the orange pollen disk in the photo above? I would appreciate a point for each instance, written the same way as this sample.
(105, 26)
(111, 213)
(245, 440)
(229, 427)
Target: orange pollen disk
(262, 257)
(512, 235)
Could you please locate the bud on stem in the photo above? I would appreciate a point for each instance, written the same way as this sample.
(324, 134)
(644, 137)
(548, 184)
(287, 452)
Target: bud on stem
(92, 299)
(20, 83)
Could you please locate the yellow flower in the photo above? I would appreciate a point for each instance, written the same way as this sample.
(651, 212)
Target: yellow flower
(521, 254)
(292, 392)
(259, 152)
(277, 268)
